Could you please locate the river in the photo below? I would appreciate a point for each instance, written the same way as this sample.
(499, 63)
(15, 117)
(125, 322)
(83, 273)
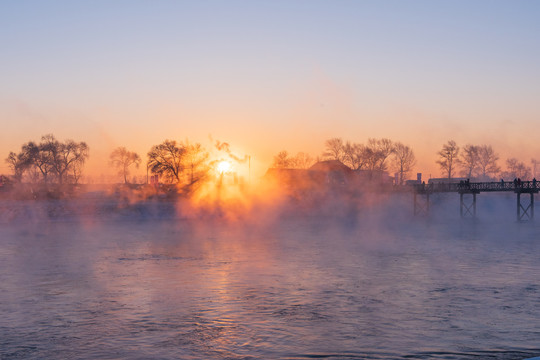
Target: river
(293, 288)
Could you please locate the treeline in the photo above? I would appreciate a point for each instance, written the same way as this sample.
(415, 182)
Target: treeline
(184, 163)
(376, 155)
(474, 162)
(480, 163)
(175, 162)
(55, 162)
(49, 161)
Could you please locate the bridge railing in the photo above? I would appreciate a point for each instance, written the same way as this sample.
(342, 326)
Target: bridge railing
(465, 186)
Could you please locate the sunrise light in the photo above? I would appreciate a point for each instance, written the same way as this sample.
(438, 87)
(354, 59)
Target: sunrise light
(224, 167)
(270, 179)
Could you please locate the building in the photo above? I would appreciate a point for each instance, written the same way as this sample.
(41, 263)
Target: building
(329, 174)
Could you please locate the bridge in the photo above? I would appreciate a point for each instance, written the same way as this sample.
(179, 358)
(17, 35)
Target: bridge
(466, 189)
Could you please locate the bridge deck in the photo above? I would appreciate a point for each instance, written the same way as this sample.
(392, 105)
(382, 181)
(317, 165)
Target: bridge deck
(478, 187)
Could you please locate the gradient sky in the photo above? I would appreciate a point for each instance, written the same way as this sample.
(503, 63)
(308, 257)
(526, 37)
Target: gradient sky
(275, 75)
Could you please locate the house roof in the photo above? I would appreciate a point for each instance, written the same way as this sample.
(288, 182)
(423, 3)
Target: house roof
(331, 165)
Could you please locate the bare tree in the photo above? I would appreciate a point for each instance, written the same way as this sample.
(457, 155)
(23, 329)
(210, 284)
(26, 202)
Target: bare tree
(403, 160)
(166, 159)
(282, 160)
(67, 156)
(40, 159)
(516, 169)
(49, 152)
(377, 152)
(371, 158)
(59, 158)
(302, 161)
(469, 160)
(77, 170)
(449, 158)
(285, 161)
(534, 163)
(334, 149)
(122, 159)
(196, 160)
(487, 162)
(354, 155)
(51, 158)
(18, 163)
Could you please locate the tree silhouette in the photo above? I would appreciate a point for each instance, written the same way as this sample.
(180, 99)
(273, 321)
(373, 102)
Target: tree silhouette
(122, 159)
(178, 162)
(354, 155)
(50, 156)
(282, 160)
(487, 162)
(40, 159)
(166, 159)
(302, 161)
(448, 158)
(469, 160)
(403, 160)
(64, 157)
(516, 169)
(18, 163)
(534, 163)
(378, 151)
(334, 149)
(196, 160)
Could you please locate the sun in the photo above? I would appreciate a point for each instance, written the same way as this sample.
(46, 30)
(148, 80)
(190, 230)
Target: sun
(224, 166)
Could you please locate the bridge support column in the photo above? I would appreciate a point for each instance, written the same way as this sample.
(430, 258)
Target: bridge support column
(421, 207)
(467, 210)
(525, 212)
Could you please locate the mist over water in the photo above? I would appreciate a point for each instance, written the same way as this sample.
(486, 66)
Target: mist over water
(370, 281)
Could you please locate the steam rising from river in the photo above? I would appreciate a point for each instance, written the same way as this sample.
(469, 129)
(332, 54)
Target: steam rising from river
(226, 200)
(239, 271)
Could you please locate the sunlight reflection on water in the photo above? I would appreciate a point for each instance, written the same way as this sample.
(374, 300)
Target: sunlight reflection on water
(173, 289)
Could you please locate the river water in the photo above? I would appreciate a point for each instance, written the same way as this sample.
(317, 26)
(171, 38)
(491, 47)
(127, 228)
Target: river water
(295, 288)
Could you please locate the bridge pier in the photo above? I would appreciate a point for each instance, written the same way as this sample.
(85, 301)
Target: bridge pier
(525, 213)
(421, 207)
(467, 210)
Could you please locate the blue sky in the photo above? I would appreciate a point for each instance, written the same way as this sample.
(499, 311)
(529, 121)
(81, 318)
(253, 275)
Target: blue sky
(271, 75)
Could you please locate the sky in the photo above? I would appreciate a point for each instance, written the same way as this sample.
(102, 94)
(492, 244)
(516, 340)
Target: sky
(266, 76)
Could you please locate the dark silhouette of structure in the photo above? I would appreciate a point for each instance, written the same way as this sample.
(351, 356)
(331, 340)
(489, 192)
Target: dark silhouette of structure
(465, 188)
